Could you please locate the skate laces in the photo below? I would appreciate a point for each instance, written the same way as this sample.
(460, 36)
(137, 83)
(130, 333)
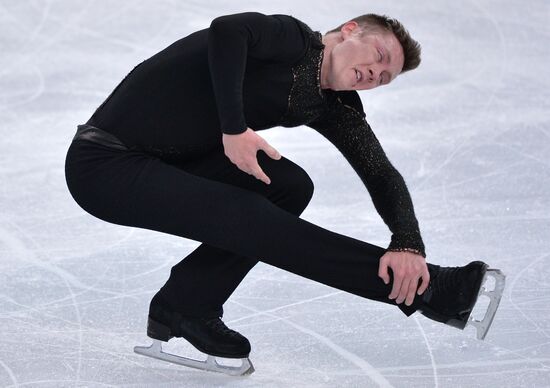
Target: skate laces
(218, 325)
(446, 280)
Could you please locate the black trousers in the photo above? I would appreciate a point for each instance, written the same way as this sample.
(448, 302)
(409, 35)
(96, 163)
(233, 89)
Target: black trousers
(238, 218)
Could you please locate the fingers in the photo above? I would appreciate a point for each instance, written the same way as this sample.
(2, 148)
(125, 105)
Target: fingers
(260, 174)
(241, 149)
(256, 170)
(403, 292)
(411, 291)
(397, 283)
(406, 290)
(268, 149)
(383, 271)
(253, 168)
(271, 152)
(425, 281)
(425, 277)
(405, 286)
(410, 275)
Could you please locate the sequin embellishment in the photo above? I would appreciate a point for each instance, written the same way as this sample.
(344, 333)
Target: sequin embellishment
(306, 100)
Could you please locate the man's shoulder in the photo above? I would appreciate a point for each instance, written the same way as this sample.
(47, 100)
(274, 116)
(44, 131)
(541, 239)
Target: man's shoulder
(307, 32)
(293, 19)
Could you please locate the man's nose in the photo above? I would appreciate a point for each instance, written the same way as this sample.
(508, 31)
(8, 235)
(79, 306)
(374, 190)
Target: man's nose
(373, 74)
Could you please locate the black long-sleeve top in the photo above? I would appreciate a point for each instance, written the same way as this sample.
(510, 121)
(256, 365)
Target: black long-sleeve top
(257, 71)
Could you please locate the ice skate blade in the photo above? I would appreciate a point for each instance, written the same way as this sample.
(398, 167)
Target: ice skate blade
(210, 364)
(495, 295)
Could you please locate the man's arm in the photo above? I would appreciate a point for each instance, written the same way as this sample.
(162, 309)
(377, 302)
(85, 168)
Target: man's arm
(232, 39)
(345, 126)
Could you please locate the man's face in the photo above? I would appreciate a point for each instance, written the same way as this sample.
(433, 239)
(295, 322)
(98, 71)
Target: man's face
(377, 58)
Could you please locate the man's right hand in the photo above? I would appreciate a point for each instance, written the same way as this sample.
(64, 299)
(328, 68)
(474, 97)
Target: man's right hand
(242, 148)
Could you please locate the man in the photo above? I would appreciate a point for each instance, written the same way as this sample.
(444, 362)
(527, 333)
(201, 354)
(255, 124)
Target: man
(174, 148)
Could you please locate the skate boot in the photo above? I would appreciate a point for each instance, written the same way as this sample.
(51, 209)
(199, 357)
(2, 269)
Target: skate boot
(453, 292)
(207, 334)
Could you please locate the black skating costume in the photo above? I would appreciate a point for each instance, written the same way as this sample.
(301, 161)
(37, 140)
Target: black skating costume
(151, 156)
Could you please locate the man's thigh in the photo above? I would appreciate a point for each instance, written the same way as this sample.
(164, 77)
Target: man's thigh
(284, 173)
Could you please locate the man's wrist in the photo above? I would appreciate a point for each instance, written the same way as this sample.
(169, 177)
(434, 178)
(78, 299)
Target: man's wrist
(413, 250)
(408, 241)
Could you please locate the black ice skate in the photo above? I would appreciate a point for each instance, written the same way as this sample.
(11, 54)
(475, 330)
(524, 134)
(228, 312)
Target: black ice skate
(454, 291)
(208, 335)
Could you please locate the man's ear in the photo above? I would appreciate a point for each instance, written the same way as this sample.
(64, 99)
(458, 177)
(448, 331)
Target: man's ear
(350, 28)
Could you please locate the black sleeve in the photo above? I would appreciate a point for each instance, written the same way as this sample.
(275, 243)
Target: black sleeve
(234, 38)
(345, 126)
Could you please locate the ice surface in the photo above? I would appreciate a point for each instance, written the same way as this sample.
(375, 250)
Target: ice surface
(469, 131)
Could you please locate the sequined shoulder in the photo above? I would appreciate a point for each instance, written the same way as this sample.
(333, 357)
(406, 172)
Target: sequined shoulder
(306, 99)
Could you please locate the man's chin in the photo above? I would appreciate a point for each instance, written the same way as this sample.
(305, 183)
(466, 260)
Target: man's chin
(343, 87)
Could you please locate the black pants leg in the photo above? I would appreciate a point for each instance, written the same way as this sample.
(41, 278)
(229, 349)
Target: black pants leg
(134, 189)
(210, 274)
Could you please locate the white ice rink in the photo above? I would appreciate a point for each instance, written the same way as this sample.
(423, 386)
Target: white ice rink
(469, 131)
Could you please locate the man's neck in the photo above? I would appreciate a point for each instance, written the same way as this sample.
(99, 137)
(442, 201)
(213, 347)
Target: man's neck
(329, 40)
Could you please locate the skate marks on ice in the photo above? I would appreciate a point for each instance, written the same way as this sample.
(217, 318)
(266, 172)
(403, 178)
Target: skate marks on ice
(363, 365)
(49, 71)
(429, 349)
(544, 298)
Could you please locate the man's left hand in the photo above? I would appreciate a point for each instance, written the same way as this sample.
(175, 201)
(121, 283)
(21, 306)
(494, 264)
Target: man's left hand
(407, 268)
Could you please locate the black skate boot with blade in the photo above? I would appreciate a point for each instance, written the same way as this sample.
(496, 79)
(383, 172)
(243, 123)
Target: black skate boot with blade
(207, 334)
(453, 292)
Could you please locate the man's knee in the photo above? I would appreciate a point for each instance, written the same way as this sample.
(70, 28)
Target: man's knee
(301, 184)
(293, 181)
